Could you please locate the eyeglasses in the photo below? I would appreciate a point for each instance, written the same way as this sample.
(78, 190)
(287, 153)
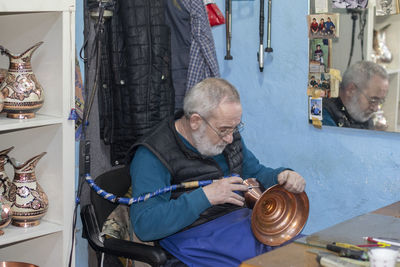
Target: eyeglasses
(222, 134)
(373, 101)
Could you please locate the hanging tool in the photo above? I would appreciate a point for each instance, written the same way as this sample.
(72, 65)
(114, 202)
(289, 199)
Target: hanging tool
(228, 27)
(269, 49)
(260, 53)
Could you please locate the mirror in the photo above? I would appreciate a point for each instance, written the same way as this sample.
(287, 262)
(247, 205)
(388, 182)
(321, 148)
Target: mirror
(369, 34)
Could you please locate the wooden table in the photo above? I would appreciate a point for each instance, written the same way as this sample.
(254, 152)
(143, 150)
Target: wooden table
(296, 254)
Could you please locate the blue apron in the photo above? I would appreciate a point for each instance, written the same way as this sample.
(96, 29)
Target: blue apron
(225, 241)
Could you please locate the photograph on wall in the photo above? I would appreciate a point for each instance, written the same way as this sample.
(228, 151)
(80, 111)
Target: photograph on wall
(315, 108)
(387, 7)
(349, 3)
(320, 81)
(319, 55)
(324, 25)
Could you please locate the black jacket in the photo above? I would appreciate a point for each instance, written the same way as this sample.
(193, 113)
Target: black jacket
(340, 115)
(135, 91)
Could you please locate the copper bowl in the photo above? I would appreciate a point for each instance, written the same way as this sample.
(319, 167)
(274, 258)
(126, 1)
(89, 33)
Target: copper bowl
(16, 264)
(278, 215)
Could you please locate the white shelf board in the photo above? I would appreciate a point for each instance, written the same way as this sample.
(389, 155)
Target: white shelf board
(7, 124)
(36, 5)
(14, 234)
(392, 71)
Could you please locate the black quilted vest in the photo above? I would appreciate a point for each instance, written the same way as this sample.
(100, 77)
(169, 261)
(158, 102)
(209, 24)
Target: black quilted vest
(136, 90)
(340, 115)
(186, 165)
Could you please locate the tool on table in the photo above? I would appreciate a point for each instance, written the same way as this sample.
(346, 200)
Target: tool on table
(379, 244)
(228, 28)
(328, 259)
(350, 246)
(343, 249)
(348, 252)
(260, 54)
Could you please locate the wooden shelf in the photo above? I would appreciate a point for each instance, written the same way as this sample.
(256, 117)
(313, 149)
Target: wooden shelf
(36, 5)
(7, 124)
(14, 234)
(53, 22)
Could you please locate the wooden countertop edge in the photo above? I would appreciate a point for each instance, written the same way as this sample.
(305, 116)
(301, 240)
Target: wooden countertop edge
(308, 258)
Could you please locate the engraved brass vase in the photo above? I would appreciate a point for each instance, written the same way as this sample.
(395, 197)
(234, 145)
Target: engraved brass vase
(5, 213)
(30, 203)
(23, 94)
(278, 215)
(5, 181)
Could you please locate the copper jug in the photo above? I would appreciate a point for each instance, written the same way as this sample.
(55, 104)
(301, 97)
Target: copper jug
(5, 213)
(23, 94)
(29, 202)
(278, 215)
(5, 181)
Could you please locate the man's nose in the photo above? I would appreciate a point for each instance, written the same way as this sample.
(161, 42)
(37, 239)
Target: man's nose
(228, 138)
(375, 108)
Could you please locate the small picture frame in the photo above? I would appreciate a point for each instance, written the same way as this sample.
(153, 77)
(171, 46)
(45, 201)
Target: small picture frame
(315, 108)
(352, 4)
(321, 81)
(385, 7)
(324, 25)
(319, 55)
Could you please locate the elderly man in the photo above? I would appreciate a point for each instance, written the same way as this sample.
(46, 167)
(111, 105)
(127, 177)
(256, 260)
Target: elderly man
(208, 226)
(363, 88)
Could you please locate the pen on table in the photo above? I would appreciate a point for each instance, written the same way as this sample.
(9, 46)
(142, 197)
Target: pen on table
(380, 240)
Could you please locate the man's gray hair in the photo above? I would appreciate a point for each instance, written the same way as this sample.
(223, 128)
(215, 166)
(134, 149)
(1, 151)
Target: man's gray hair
(361, 72)
(207, 95)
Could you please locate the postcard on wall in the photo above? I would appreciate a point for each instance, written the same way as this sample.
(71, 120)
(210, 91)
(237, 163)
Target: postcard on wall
(321, 81)
(319, 55)
(315, 108)
(323, 25)
(321, 6)
(385, 7)
(354, 4)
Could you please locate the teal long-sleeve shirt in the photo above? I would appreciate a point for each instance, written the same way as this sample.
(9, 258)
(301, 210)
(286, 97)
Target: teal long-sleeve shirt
(160, 216)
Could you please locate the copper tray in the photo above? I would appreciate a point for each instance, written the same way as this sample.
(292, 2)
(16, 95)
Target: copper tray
(278, 215)
(16, 264)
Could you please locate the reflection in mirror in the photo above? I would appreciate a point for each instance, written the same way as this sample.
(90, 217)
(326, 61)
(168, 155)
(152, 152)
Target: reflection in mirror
(356, 72)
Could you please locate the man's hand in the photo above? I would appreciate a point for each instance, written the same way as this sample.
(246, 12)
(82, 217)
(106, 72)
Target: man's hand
(222, 191)
(292, 181)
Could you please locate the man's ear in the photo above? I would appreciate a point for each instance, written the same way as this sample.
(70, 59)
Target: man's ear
(351, 90)
(195, 121)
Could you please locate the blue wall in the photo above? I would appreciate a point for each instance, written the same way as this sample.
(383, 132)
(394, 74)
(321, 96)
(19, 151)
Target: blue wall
(348, 171)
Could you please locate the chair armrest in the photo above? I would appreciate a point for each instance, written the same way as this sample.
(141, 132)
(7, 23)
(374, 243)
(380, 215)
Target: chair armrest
(153, 255)
(91, 230)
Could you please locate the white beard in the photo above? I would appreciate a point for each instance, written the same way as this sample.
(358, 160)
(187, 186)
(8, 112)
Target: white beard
(204, 145)
(354, 110)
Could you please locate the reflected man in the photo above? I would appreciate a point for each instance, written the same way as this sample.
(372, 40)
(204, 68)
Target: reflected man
(363, 88)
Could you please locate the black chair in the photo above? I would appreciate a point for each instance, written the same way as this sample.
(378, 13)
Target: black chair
(116, 181)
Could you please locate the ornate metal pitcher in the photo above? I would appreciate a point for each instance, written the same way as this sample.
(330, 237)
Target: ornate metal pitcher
(5, 181)
(5, 213)
(30, 203)
(22, 92)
